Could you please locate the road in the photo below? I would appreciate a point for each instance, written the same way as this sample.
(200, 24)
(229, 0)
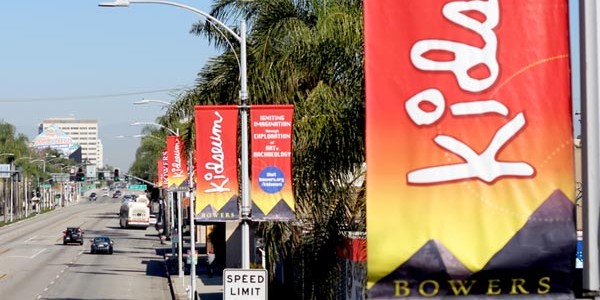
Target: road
(36, 265)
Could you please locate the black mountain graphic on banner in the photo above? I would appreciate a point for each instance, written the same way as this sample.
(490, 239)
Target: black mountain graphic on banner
(257, 213)
(228, 212)
(431, 262)
(231, 208)
(544, 247)
(208, 210)
(281, 211)
(540, 256)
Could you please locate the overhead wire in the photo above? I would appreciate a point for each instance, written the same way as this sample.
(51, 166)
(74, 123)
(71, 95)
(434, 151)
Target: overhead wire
(85, 97)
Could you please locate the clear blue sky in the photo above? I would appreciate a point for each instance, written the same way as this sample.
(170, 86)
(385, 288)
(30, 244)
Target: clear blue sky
(66, 57)
(72, 58)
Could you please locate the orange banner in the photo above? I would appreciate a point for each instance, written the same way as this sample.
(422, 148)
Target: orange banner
(216, 163)
(159, 172)
(470, 173)
(272, 194)
(177, 174)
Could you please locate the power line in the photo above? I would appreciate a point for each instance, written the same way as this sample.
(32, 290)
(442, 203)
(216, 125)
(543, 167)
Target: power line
(84, 97)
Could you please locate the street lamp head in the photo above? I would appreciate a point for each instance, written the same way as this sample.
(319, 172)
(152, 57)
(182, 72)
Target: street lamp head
(116, 3)
(135, 123)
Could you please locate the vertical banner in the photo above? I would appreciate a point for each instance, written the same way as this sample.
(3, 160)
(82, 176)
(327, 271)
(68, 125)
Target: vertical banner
(216, 163)
(165, 169)
(470, 183)
(272, 194)
(177, 172)
(159, 172)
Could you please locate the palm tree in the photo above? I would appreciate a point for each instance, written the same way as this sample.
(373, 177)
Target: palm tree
(308, 53)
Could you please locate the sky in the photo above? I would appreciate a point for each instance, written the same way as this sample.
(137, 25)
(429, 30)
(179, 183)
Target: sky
(72, 58)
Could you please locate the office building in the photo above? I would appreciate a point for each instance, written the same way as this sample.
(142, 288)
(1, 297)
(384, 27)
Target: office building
(84, 133)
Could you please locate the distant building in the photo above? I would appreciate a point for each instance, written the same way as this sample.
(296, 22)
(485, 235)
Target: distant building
(84, 133)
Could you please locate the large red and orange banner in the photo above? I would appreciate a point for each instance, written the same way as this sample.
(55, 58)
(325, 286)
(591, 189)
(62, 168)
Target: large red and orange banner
(470, 183)
(177, 169)
(272, 193)
(217, 187)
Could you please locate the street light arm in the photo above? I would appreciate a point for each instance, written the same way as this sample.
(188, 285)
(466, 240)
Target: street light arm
(145, 101)
(125, 3)
(156, 124)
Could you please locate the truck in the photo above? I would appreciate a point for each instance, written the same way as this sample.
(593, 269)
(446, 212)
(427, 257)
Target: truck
(135, 213)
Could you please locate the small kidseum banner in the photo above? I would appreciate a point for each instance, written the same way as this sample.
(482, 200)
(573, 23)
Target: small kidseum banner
(272, 193)
(159, 172)
(217, 187)
(470, 173)
(177, 174)
(165, 169)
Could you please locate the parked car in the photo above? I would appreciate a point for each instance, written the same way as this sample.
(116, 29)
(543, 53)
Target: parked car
(101, 244)
(73, 235)
(93, 196)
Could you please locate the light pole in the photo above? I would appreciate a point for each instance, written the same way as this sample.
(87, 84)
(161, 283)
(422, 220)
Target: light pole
(241, 38)
(179, 208)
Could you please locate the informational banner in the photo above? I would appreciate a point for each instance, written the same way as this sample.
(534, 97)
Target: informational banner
(272, 194)
(177, 174)
(159, 172)
(217, 187)
(470, 173)
(165, 169)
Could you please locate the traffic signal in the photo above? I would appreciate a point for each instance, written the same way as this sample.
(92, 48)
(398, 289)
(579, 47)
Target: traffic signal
(126, 177)
(116, 177)
(80, 176)
(37, 192)
(101, 176)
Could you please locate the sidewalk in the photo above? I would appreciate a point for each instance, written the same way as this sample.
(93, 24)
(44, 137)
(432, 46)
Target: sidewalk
(207, 287)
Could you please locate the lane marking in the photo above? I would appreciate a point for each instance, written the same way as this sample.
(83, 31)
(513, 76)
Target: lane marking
(29, 239)
(38, 253)
(3, 275)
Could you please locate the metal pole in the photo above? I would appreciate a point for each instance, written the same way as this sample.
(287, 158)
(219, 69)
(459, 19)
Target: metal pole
(246, 203)
(192, 226)
(180, 242)
(26, 197)
(179, 228)
(172, 220)
(591, 142)
(12, 183)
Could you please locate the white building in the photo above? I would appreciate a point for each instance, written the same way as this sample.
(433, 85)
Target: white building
(83, 132)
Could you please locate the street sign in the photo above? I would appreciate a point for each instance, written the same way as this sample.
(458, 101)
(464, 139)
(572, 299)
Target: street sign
(45, 185)
(245, 284)
(137, 187)
(4, 171)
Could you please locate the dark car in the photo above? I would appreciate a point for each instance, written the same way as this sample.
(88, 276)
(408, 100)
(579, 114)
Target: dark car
(101, 244)
(73, 235)
(93, 196)
(116, 194)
